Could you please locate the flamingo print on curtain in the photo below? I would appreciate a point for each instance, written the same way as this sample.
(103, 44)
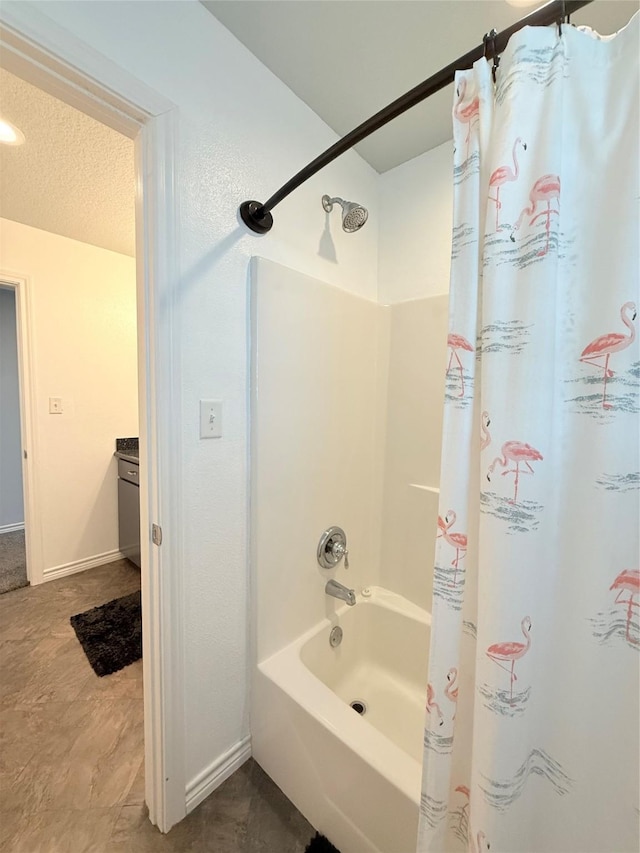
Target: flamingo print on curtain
(531, 737)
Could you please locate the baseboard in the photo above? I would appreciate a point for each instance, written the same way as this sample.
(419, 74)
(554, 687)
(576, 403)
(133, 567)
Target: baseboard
(82, 565)
(11, 528)
(215, 774)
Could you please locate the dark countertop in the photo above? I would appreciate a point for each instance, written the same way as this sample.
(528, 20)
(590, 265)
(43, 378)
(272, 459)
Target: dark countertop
(127, 449)
(127, 457)
(127, 445)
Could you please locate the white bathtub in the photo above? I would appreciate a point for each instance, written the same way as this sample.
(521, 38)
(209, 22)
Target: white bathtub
(355, 778)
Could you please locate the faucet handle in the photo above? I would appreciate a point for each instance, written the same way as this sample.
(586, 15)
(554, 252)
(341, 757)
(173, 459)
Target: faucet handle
(332, 548)
(339, 551)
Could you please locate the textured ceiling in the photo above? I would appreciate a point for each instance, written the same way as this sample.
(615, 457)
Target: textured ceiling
(73, 176)
(349, 58)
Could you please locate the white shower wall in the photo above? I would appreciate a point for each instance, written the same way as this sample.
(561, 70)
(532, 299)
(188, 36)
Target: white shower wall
(416, 212)
(319, 376)
(347, 414)
(415, 392)
(346, 423)
(416, 202)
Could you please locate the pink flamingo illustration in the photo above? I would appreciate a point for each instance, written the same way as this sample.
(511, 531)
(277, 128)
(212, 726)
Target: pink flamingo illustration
(451, 690)
(505, 652)
(467, 114)
(456, 342)
(502, 175)
(432, 704)
(604, 347)
(628, 581)
(486, 435)
(456, 540)
(544, 190)
(517, 452)
(464, 790)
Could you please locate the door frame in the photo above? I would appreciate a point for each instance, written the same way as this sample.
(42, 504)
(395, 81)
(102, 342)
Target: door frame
(38, 50)
(28, 434)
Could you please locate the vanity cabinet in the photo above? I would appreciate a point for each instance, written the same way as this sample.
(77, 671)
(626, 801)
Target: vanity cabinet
(129, 508)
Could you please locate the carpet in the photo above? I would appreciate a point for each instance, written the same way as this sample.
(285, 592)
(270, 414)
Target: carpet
(13, 561)
(320, 844)
(111, 635)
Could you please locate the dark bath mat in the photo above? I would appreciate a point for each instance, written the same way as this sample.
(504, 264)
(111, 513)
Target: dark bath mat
(111, 635)
(320, 844)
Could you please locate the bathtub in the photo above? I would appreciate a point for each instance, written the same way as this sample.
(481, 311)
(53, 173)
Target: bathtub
(356, 778)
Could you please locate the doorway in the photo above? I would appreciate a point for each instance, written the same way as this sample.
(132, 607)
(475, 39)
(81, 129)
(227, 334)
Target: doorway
(92, 85)
(13, 562)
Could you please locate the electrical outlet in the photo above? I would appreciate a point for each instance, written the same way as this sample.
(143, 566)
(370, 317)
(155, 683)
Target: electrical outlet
(210, 418)
(55, 405)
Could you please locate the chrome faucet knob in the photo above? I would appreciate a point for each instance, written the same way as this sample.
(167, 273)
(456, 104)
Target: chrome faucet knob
(339, 551)
(332, 548)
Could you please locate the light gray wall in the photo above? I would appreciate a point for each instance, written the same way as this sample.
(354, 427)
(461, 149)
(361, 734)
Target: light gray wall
(11, 506)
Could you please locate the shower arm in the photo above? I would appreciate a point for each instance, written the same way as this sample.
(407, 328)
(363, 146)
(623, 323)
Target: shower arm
(257, 216)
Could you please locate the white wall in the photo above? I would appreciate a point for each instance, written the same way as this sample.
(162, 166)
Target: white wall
(416, 213)
(242, 133)
(416, 203)
(320, 366)
(83, 327)
(11, 507)
(415, 393)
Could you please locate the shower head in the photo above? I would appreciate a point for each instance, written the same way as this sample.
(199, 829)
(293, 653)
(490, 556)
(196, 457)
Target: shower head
(353, 215)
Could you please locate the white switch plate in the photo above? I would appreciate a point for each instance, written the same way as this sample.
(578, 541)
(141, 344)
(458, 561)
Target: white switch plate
(55, 405)
(210, 418)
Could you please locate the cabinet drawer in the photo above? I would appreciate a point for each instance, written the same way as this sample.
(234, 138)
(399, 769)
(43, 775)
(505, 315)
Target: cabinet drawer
(129, 471)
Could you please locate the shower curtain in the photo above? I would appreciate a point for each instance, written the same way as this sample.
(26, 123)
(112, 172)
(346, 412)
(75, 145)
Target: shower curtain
(531, 739)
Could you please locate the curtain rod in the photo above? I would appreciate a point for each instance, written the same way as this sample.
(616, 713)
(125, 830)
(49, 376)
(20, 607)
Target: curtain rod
(257, 216)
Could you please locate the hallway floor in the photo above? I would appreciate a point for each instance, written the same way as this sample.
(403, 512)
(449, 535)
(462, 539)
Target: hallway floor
(13, 561)
(71, 744)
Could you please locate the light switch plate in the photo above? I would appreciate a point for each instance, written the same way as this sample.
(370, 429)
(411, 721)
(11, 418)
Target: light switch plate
(55, 405)
(210, 418)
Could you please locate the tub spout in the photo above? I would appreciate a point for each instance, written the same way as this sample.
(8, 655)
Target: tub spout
(338, 591)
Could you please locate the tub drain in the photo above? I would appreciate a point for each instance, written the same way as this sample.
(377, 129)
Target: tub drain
(335, 637)
(359, 706)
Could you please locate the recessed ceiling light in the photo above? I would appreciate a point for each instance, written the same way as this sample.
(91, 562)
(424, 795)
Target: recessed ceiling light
(9, 134)
(522, 3)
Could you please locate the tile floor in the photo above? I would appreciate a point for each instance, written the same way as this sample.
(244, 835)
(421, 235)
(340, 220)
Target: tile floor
(71, 744)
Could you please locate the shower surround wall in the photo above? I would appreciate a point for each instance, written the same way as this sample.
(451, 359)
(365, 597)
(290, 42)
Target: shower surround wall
(416, 203)
(346, 420)
(346, 423)
(320, 373)
(362, 385)
(319, 368)
(415, 388)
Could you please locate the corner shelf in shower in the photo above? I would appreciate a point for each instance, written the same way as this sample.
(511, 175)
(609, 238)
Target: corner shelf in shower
(433, 489)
